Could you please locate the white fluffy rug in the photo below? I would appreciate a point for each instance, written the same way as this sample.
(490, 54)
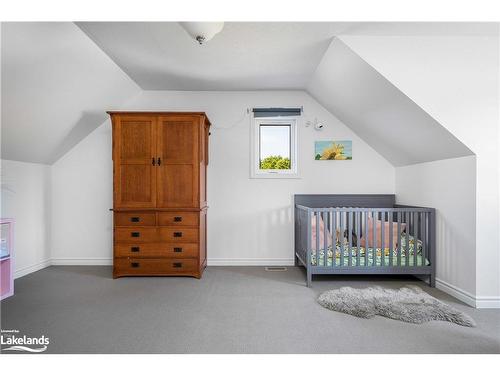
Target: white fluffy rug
(409, 304)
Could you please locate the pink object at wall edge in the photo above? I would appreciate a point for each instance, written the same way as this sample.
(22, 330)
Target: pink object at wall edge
(6, 265)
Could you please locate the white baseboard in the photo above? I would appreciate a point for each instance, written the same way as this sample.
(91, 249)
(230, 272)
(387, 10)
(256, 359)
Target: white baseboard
(210, 262)
(456, 292)
(468, 298)
(81, 261)
(109, 261)
(488, 302)
(62, 262)
(30, 269)
(250, 262)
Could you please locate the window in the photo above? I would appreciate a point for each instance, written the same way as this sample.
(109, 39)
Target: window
(274, 148)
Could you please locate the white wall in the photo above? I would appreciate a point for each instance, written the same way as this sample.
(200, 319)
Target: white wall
(455, 79)
(448, 186)
(81, 198)
(250, 220)
(26, 199)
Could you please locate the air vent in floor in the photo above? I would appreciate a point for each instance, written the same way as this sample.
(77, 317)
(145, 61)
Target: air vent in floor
(276, 269)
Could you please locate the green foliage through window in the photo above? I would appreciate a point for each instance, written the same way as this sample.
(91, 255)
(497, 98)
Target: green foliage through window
(275, 162)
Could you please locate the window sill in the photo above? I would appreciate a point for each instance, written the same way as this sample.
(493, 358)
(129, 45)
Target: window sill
(265, 176)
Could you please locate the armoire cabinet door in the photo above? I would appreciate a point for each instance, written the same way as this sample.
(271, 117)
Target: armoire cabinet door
(178, 150)
(134, 150)
(203, 163)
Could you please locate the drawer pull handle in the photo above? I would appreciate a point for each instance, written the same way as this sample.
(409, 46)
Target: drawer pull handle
(134, 265)
(135, 249)
(135, 219)
(177, 265)
(177, 249)
(177, 234)
(177, 219)
(135, 234)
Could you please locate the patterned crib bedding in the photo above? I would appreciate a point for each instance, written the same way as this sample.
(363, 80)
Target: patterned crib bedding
(374, 255)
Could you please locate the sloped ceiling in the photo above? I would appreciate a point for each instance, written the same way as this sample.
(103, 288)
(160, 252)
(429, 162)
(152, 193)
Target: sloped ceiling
(59, 78)
(56, 84)
(411, 63)
(379, 112)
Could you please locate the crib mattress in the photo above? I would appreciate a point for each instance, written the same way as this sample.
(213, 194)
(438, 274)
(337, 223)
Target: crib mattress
(374, 259)
(374, 255)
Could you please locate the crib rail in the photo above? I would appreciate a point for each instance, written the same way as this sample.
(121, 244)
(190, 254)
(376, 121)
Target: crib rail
(399, 239)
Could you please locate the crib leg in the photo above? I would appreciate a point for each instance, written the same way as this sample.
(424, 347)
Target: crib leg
(432, 280)
(309, 279)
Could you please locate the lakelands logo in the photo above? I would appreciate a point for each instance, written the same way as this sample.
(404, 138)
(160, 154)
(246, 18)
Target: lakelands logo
(22, 343)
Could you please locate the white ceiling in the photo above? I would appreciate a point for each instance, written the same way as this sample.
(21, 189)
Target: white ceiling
(243, 56)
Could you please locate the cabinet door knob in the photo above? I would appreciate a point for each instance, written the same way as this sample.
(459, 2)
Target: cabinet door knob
(134, 265)
(135, 234)
(135, 219)
(177, 249)
(177, 234)
(153, 161)
(135, 249)
(177, 265)
(177, 218)
(159, 161)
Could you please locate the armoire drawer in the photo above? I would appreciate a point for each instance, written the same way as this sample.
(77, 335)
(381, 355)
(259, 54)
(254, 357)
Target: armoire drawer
(165, 266)
(156, 234)
(153, 250)
(126, 219)
(178, 218)
(178, 235)
(136, 235)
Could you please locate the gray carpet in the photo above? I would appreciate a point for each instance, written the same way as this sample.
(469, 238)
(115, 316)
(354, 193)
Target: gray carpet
(231, 310)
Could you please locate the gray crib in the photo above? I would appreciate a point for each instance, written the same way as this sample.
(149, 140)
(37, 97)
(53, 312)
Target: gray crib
(344, 242)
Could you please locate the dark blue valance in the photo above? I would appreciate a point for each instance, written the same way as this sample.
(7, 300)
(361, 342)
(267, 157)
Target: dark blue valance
(276, 112)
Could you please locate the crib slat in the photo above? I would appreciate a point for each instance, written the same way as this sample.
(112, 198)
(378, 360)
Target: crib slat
(366, 238)
(415, 241)
(407, 247)
(358, 237)
(309, 237)
(423, 236)
(317, 237)
(382, 243)
(341, 238)
(349, 235)
(399, 238)
(325, 239)
(374, 237)
(330, 226)
(391, 237)
(334, 235)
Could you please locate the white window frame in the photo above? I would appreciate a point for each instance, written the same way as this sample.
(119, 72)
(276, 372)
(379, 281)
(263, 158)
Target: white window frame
(255, 171)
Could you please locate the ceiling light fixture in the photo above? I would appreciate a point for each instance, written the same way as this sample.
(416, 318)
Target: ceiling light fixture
(202, 31)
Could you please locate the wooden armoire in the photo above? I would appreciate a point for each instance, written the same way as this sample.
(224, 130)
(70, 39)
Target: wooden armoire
(159, 193)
